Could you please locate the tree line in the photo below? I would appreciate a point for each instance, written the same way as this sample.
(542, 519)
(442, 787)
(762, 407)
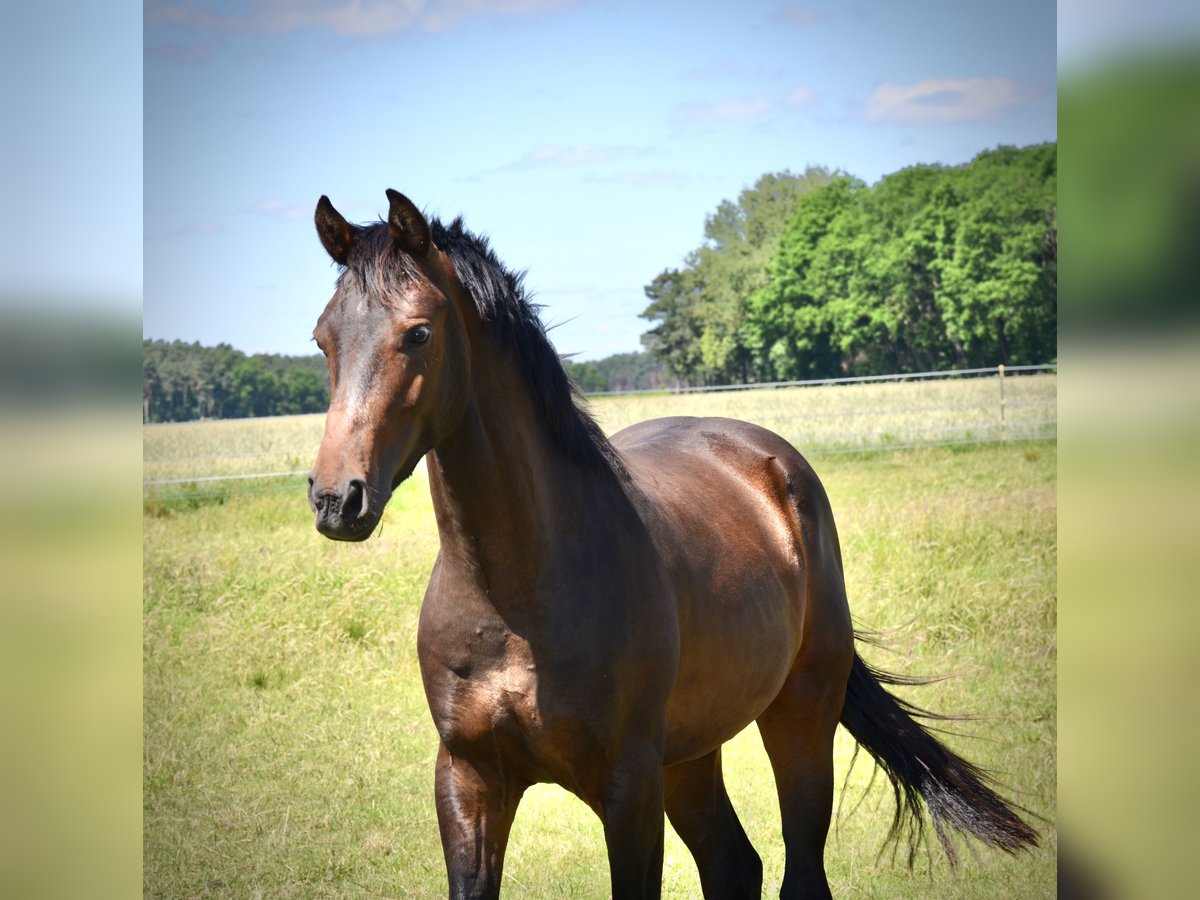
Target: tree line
(818, 275)
(811, 275)
(182, 381)
(620, 372)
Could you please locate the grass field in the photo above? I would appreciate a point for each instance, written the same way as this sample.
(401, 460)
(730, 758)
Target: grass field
(288, 751)
(826, 418)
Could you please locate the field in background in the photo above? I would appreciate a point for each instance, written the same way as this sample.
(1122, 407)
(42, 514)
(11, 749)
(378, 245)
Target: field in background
(817, 419)
(861, 416)
(288, 750)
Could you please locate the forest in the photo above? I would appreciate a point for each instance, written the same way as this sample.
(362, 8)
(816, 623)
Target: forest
(818, 275)
(182, 381)
(810, 275)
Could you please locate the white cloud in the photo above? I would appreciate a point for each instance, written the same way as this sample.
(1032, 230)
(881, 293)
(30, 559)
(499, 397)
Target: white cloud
(802, 97)
(943, 101)
(741, 109)
(792, 15)
(357, 18)
(446, 15)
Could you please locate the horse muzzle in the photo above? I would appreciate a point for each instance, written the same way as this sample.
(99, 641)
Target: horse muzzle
(345, 513)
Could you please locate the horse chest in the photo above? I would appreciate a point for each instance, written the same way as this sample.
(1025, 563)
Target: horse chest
(481, 681)
(495, 699)
(494, 702)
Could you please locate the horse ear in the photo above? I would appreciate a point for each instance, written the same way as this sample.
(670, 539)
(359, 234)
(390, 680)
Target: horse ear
(337, 235)
(406, 224)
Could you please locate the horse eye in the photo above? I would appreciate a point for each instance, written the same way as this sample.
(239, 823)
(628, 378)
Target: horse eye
(419, 335)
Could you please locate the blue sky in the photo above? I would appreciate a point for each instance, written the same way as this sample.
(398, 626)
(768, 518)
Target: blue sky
(589, 140)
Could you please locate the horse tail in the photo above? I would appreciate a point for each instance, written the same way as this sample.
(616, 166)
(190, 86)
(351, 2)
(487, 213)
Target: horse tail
(923, 770)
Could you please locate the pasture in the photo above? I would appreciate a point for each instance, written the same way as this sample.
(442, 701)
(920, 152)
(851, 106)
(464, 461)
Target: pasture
(828, 418)
(288, 751)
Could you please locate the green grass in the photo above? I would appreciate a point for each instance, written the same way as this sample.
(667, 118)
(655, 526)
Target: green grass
(288, 750)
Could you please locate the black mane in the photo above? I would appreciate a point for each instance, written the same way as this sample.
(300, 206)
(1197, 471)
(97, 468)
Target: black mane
(513, 322)
(510, 317)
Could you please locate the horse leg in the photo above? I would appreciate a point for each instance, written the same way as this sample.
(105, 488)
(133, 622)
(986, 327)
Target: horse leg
(797, 730)
(632, 813)
(475, 811)
(704, 819)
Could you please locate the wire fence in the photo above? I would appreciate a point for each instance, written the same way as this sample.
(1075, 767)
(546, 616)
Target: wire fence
(848, 379)
(203, 462)
(869, 413)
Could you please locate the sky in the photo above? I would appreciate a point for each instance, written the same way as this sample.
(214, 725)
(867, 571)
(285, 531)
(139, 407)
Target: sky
(588, 139)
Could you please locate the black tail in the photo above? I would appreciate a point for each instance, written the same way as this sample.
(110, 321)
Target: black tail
(922, 769)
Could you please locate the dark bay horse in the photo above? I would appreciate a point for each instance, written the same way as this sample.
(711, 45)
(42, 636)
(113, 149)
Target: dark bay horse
(602, 614)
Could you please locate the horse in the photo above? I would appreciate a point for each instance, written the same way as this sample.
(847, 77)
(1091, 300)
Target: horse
(603, 614)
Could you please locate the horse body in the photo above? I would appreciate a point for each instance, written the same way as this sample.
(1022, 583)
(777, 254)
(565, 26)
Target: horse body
(603, 615)
(737, 553)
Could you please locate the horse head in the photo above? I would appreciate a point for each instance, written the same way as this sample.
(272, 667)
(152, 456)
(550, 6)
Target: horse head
(399, 363)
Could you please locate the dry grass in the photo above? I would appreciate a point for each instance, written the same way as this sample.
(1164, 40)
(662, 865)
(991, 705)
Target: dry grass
(863, 416)
(836, 417)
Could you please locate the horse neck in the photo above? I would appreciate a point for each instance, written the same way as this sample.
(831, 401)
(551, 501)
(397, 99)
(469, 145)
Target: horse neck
(503, 492)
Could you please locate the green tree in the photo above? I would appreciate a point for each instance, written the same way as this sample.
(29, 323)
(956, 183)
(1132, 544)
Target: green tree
(887, 319)
(182, 381)
(587, 375)
(998, 290)
(675, 339)
(930, 268)
(705, 305)
(620, 372)
(787, 324)
(256, 390)
(305, 392)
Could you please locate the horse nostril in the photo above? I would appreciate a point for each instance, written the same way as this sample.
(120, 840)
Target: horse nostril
(355, 504)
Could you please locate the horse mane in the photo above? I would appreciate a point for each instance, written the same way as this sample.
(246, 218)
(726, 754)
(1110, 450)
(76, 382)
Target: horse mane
(512, 320)
(509, 316)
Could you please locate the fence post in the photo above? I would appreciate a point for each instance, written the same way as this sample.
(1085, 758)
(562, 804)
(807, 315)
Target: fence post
(1003, 417)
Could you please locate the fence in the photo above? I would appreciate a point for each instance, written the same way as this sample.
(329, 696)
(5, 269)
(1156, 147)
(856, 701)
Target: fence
(198, 461)
(849, 379)
(874, 411)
